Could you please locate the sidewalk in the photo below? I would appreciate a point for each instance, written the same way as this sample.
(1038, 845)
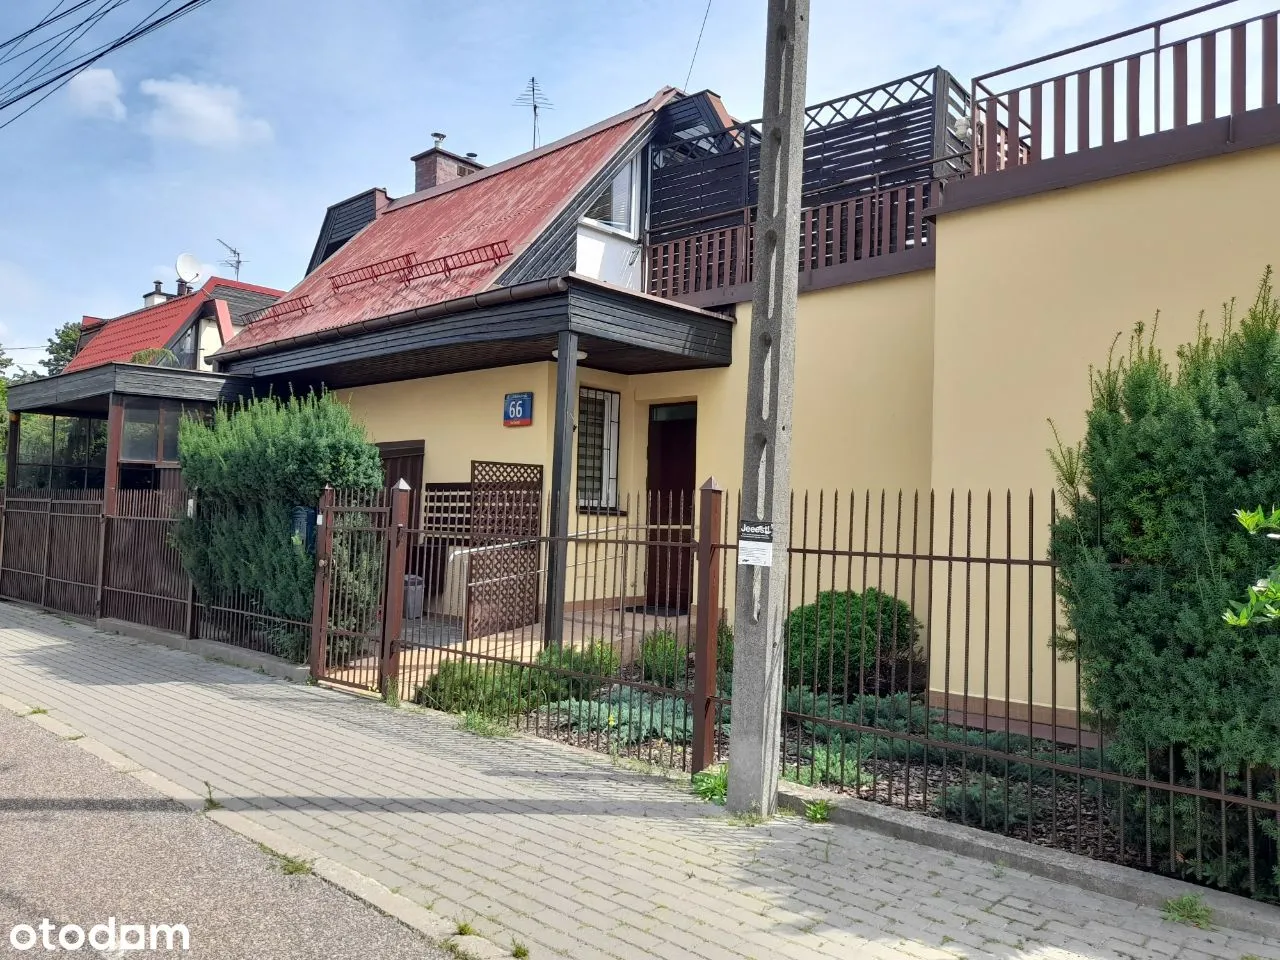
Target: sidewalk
(83, 843)
(557, 848)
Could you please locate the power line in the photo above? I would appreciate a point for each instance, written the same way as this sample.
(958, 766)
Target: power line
(694, 58)
(57, 74)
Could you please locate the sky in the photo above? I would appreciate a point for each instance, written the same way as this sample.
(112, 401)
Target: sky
(246, 119)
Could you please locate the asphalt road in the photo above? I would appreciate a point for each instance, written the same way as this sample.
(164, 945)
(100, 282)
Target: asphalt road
(81, 843)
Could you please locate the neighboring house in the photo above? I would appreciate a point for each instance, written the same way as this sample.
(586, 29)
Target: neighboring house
(115, 407)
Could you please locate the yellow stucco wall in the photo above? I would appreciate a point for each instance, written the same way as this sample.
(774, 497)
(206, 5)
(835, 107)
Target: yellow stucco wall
(460, 418)
(1030, 293)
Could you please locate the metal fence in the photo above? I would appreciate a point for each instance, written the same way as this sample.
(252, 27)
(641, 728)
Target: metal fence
(924, 664)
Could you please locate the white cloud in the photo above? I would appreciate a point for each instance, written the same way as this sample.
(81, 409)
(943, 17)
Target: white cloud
(95, 92)
(202, 113)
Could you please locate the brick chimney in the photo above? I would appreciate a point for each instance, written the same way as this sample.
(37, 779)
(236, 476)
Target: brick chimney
(436, 166)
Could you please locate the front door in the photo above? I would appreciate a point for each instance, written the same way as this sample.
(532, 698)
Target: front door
(673, 435)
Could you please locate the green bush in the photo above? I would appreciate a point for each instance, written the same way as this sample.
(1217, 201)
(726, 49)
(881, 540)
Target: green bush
(664, 660)
(985, 802)
(250, 466)
(596, 662)
(628, 715)
(489, 689)
(1149, 555)
(844, 637)
(724, 659)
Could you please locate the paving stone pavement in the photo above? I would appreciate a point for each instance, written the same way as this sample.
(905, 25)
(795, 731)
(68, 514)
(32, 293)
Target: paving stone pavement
(558, 848)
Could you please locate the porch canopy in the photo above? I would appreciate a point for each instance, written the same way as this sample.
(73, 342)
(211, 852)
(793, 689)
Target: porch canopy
(155, 396)
(618, 330)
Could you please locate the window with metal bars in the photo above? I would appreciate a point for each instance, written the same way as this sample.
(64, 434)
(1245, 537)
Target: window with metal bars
(598, 449)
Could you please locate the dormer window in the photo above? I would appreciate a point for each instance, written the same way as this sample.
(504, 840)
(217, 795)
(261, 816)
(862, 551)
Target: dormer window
(616, 207)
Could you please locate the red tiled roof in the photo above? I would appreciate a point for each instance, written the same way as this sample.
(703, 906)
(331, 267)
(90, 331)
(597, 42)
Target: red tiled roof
(509, 203)
(117, 340)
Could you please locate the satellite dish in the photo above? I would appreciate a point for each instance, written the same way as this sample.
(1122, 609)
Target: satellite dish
(188, 268)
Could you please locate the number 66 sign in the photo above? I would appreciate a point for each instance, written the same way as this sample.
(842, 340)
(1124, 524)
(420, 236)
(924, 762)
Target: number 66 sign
(517, 410)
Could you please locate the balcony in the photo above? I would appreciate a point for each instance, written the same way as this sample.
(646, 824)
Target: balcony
(1117, 104)
(874, 164)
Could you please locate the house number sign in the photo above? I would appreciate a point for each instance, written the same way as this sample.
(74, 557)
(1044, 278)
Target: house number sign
(517, 410)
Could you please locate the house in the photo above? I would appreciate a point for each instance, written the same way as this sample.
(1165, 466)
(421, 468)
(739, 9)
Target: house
(572, 323)
(967, 252)
(115, 408)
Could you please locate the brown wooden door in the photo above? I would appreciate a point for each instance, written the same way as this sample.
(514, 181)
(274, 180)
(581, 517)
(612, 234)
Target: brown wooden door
(673, 436)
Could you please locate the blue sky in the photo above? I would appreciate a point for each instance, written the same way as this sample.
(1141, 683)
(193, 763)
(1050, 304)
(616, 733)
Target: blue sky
(247, 118)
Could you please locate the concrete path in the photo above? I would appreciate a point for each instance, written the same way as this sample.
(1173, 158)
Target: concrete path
(81, 843)
(559, 849)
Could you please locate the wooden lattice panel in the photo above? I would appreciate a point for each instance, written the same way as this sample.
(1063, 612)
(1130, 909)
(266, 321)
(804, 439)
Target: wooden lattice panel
(506, 519)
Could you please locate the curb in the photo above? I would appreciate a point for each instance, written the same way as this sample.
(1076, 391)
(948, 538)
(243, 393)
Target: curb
(209, 650)
(439, 931)
(1123, 883)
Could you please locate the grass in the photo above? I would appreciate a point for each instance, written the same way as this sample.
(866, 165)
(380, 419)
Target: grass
(391, 693)
(748, 818)
(1189, 909)
(712, 785)
(74, 736)
(457, 952)
(209, 802)
(464, 929)
(36, 711)
(519, 950)
(817, 811)
(483, 726)
(289, 866)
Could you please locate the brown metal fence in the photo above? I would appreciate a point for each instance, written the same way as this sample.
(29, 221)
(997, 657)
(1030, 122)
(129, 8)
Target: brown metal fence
(66, 552)
(923, 663)
(617, 674)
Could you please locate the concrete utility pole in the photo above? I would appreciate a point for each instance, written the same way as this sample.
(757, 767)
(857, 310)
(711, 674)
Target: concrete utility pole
(766, 463)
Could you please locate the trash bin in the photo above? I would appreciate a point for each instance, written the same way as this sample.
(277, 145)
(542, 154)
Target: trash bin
(413, 596)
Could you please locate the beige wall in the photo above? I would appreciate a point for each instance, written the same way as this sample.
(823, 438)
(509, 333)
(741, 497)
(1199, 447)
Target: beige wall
(1030, 294)
(460, 418)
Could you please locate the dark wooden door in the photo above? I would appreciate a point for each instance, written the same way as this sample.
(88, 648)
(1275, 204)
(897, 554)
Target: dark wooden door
(673, 438)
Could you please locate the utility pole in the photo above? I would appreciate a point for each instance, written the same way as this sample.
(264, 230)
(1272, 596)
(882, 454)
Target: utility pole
(766, 462)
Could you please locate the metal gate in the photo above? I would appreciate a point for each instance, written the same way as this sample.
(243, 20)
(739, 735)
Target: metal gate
(502, 572)
(351, 585)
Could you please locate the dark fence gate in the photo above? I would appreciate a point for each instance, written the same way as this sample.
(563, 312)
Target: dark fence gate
(506, 520)
(351, 587)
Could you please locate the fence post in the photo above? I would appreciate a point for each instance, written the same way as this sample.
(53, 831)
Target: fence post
(320, 598)
(393, 588)
(707, 601)
(191, 508)
(48, 542)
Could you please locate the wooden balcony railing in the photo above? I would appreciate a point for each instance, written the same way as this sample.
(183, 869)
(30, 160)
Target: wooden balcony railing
(840, 242)
(1162, 83)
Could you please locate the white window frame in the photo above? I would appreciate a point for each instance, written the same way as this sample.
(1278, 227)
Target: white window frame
(609, 444)
(632, 230)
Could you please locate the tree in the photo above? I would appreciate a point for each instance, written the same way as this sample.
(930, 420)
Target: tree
(1149, 554)
(6, 362)
(61, 348)
(251, 466)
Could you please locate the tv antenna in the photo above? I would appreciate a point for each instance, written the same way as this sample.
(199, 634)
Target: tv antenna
(234, 260)
(534, 98)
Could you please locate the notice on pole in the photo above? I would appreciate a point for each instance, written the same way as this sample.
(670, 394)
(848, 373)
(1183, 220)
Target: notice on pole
(755, 543)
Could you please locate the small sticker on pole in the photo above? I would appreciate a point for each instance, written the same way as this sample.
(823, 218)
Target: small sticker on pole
(755, 543)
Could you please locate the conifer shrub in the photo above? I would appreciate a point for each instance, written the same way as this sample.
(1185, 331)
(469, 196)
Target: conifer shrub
(1149, 555)
(250, 465)
(845, 638)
